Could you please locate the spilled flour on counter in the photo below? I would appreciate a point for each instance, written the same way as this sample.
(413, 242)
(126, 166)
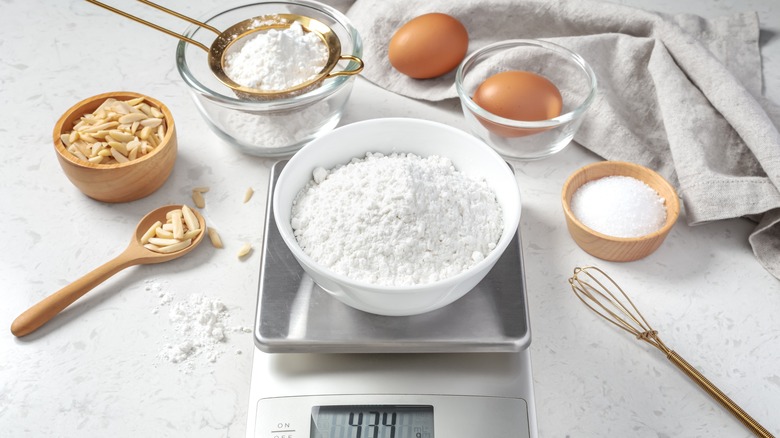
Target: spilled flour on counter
(158, 289)
(200, 328)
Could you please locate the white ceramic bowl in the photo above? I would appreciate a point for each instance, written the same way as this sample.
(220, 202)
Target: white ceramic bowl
(273, 128)
(469, 155)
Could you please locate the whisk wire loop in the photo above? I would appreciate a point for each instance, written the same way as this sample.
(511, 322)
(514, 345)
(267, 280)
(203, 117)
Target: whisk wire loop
(595, 289)
(619, 310)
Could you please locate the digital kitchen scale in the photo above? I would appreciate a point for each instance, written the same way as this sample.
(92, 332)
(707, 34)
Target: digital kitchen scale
(457, 372)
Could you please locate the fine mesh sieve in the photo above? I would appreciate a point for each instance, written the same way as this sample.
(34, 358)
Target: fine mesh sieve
(226, 39)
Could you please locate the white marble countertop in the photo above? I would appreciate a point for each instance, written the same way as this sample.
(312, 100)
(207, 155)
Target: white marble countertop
(96, 369)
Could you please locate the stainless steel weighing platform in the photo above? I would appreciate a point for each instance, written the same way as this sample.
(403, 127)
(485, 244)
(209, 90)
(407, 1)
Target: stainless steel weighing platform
(294, 315)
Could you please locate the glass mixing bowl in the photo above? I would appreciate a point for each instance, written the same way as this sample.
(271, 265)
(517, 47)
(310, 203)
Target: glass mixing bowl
(527, 140)
(278, 127)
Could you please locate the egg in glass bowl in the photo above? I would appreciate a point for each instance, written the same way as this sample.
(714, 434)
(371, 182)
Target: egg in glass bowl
(348, 146)
(525, 98)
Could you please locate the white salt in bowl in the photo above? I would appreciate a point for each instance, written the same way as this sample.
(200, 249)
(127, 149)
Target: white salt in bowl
(611, 248)
(275, 128)
(424, 138)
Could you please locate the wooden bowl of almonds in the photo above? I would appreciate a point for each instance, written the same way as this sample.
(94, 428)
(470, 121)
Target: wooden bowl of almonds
(118, 146)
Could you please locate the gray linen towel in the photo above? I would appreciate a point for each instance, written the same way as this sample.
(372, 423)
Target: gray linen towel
(680, 94)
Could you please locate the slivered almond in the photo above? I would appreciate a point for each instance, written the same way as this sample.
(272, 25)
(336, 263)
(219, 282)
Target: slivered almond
(248, 194)
(197, 198)
(144, 108)
(150, 232)
(151, 247)
(121, 135)
(216, 241)
(163, 233)
(82, 147)
(118, 156)
(159, 239)
(175, 247)
(119, 147)
(191, 234)
(134, 102)
(132, 117)
(178, 225)
(163, 242)
(119, 123)
(189, 217)
(121, 107)
(94, 129)
(83, 136)
(245, 249)
(151, 122)
(153, 142)
(145, 132)
(79, 154)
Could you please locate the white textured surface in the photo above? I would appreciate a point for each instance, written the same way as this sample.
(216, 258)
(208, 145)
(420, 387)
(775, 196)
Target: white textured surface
(92, 372)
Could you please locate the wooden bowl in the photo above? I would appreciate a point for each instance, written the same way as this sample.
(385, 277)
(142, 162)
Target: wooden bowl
(618, 249)
(120, 182)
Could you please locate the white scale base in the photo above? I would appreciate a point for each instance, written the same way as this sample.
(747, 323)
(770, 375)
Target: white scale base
(464, 395)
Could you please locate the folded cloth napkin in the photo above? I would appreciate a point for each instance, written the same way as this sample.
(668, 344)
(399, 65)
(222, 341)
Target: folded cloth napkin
(680, 94)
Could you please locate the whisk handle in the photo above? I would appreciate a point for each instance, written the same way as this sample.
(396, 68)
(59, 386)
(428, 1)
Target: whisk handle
(718, 395)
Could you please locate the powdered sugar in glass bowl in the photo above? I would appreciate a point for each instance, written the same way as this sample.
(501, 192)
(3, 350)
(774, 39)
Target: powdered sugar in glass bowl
(279, 127)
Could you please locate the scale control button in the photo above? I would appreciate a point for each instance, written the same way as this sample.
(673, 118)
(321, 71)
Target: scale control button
(283, 430)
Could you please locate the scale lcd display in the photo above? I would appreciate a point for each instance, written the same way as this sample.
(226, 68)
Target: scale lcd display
(372, 421)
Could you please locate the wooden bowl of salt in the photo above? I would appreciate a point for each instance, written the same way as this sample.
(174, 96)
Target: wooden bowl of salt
(619, 211)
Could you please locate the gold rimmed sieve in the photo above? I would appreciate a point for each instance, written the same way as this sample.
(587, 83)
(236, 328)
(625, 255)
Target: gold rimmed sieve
(228, 38)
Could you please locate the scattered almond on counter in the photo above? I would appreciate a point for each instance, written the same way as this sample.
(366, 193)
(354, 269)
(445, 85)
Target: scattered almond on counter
(216, 241)
(211, 232)
(197, 197)
(180, 229)
(244, 250)
(118, 131)
(248, 194)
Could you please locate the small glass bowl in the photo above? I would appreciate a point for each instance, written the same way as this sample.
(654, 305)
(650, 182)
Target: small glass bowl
(527, 140)
(278, 127)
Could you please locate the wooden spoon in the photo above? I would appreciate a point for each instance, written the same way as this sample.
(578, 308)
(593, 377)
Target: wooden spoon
(135, 254)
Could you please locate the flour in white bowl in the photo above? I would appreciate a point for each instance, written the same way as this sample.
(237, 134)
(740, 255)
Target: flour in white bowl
(396, 220)
(274, 59)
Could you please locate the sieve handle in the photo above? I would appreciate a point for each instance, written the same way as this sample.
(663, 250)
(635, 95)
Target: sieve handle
(348, 72)
(718, 395)
(158, 27)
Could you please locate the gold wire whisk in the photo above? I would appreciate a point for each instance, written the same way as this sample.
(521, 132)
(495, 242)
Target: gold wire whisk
(603, 295)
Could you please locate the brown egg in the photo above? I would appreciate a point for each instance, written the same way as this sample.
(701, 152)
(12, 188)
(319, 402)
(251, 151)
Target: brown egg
(428, 46)
(518, 95)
